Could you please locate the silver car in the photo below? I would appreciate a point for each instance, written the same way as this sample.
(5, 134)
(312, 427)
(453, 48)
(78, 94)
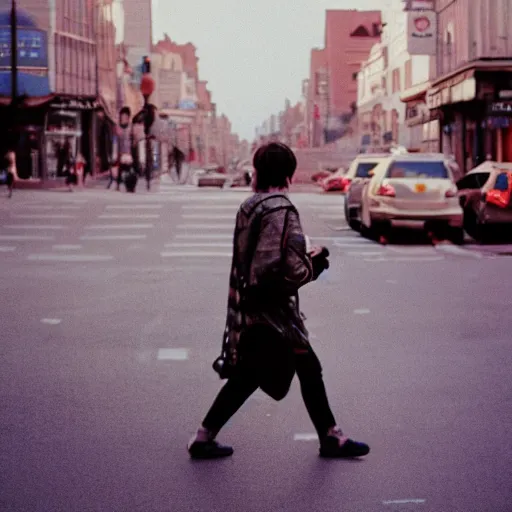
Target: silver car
(358, 174)
(413, 190)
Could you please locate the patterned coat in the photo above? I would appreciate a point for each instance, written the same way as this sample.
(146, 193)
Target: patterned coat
(269, 266)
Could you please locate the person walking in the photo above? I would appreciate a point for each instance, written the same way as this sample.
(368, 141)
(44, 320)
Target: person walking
(265, 341)
(177, 157)
(124, 144)
(11, 171)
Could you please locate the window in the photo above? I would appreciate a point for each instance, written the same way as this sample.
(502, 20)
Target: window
(408, 74)
(384, 86)
(421, 170)
(363, 170)
(396, 80)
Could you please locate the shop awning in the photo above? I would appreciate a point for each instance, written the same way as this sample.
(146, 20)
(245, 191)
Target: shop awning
(28, 85)
(415, 92)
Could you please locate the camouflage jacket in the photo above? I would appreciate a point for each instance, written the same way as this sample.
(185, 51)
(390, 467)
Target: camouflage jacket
(269, 266)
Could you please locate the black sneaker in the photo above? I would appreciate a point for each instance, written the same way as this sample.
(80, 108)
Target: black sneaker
(337, 446)
(209, 450)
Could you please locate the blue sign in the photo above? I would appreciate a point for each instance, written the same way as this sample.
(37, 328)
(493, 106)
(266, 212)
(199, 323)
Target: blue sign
(32, 48)
(187, 105)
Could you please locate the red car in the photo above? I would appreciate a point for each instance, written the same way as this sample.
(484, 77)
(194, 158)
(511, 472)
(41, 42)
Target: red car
(338, 182)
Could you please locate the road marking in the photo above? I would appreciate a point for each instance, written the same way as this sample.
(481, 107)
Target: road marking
(361, 311)
(362, 253)
(330, 217)
(75, 258)
(403, 502)
(199, 244)
(305, 437)
(120, 226)
(35, 226)
(412, 259)
(391, 281)
(7, 248)
(172, 354)
(207, 216)
(43, 216)
(129, 216)
(453, 249)
(208, 207)
(51, 321)
(198, 254)
(20, 238)
(112, 237)
(328, 207)
(354, 243)
(328, 238)
(217, 236)
(205, 226)
(133, 206)
(66, 247)
(69, 207)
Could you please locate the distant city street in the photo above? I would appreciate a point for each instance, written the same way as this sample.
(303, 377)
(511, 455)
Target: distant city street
(113, 310)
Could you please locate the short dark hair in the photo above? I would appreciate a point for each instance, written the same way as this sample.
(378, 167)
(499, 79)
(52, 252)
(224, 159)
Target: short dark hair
(125, 111)
(275, 164)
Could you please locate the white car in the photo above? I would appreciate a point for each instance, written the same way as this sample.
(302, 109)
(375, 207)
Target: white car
(415, 190)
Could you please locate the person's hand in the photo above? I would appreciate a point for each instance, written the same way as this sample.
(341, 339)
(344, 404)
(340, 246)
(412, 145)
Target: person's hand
(320, 261)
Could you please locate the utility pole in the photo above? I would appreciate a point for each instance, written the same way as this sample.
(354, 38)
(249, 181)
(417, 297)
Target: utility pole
(14, 63)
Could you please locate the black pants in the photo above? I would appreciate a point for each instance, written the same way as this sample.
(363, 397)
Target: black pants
(245, 382)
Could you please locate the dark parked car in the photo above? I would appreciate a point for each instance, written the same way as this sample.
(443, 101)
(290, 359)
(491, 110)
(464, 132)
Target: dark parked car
(485, 194)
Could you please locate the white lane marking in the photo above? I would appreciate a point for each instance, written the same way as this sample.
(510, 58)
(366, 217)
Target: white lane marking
(209, 207)
(129, 216)
(172, 354)
(206, 216)
(199, 244)
(7, 248)
(391, 281)
(361, 311)
(75, 258)
(405, 249)
(354, 243)
(21, 238)
(112, 237)
(305, 437)
(328, 207)
(133, 206)
(120, 226)
(331, 217)
(330, 238)
(43, 216)
(51, 321)
(196, 254)
(403, 502)
(217, 236)
(34, 226)
(453, 249)
(66, 247)
(363, 253)
(69, 207)
(205, 226)
(412, 259)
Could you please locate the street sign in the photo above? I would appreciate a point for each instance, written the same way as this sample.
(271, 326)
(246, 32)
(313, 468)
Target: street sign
(421, 32)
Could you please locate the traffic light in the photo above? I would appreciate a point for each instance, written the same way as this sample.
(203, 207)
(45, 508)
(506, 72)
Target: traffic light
(146, 64)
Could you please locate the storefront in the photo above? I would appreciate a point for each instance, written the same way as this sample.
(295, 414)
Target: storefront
(68, 131)
(475, 115)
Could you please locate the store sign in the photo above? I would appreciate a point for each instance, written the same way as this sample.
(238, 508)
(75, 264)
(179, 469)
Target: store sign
(421, 32)
(500, 108)
(74, 104)
(32, 48)
(457, 90)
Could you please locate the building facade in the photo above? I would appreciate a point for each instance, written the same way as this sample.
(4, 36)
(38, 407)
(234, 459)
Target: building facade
(472, 92)
(388, 72)
(65, 48)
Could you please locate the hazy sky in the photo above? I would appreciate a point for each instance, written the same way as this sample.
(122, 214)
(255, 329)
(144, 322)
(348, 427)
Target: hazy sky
(254, 53)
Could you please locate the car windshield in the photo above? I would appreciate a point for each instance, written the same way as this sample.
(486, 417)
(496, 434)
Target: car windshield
(364, 168)
(502, 182)
(421, 170)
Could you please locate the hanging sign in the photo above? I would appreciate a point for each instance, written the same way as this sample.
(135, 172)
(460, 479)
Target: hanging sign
(421, 32)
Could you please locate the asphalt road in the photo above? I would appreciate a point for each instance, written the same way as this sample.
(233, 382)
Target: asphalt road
(112, 311)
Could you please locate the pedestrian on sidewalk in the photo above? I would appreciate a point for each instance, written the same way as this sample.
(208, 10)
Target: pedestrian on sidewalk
(177, 157)
(10, 170)
(265, 341)
(124, 145)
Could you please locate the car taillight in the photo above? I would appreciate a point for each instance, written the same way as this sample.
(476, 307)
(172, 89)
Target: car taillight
(345, 183)
(386, 190)
(451, 193)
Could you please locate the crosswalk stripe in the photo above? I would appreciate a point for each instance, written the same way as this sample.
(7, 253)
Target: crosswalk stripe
(195, 254)
(205, 226)
(206, 237)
